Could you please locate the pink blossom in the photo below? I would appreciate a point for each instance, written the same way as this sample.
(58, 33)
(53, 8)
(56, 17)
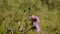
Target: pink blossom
(36, 23)
(37, 27)
(33, 17)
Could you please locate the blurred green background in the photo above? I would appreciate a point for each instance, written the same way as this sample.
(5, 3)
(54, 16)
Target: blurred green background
(15, 13)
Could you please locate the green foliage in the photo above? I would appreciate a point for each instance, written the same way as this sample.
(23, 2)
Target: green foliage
(13, 11)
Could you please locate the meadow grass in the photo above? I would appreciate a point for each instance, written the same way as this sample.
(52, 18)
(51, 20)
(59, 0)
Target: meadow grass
(15, 13)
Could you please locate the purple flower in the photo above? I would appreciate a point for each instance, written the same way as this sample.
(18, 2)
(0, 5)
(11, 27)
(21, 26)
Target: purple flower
(34, 17)
(37, 26)
(36, 23)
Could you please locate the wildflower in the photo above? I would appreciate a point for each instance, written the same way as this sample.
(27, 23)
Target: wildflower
(36, 21)
(32, 17)
(36, 25)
